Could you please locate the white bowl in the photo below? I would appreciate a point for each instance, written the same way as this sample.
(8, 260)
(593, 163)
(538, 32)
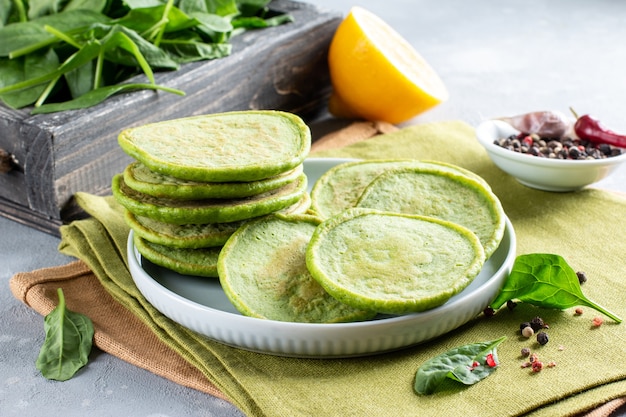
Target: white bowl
(542, 173)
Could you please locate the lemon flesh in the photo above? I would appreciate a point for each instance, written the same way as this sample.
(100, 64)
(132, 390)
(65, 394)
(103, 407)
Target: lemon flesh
(393, 263)
(222, 147)
(440, 194)
(263, 272)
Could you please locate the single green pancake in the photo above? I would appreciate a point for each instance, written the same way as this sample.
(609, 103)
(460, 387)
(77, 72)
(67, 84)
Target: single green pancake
(194, 236)
(341, 186)
(441, 194)
(393, 263)
(263, 272)
(138, 177)
(184, 236)
(177, 211)
(222, 147)
(200, 262)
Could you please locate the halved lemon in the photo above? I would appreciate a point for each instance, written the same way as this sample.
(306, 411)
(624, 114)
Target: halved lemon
(377, 75)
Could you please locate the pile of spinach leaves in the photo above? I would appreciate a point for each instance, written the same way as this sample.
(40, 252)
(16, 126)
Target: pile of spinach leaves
(59, 55)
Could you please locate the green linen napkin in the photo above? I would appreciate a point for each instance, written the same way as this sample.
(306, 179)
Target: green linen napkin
(585, 227)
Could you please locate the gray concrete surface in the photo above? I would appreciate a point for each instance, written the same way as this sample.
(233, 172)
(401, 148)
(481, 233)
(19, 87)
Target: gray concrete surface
(497, 58)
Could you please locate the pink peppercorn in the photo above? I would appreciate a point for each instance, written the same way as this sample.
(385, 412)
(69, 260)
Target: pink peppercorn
(537, 366)
(597, 321)
(528, 140)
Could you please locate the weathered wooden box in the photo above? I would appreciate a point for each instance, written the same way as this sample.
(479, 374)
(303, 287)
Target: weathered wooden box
(58, 154)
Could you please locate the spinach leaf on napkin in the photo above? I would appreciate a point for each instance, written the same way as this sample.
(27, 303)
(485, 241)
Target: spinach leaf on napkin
(69, 337)
(468, 364)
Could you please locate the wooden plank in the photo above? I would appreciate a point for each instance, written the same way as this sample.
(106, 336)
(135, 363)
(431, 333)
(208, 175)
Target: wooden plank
(282, 68)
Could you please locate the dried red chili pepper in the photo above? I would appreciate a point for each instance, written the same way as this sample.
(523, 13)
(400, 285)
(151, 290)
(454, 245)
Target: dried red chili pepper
(591, 129)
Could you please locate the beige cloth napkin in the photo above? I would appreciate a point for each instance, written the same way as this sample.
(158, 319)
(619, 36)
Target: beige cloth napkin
(267, 385)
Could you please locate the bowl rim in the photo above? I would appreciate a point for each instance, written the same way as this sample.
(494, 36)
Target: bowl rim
(500, 126)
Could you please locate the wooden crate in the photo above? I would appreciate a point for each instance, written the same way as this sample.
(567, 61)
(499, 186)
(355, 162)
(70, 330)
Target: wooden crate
(58, 154)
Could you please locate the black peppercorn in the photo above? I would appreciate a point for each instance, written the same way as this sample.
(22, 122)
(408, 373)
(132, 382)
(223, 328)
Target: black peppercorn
(574, 152)
(605, 148)
(542, 338)
(582, 278)
(489, 311)
(537, 324)
(511, 304)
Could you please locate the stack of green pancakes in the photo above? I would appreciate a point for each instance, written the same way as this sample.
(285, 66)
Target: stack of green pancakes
(225, 195)
(196, 180)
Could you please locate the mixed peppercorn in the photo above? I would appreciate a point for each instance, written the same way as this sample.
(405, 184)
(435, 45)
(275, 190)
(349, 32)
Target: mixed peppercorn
(551, 134)
(566, 148)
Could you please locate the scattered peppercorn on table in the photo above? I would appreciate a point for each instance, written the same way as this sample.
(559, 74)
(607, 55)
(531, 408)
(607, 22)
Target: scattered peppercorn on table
(515, 72)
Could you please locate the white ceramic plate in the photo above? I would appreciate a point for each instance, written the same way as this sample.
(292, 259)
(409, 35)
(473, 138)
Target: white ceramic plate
(200, 304)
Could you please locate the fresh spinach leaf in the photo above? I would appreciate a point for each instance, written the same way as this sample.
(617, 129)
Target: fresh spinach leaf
(212, 22)
(144, 19)
(249, 8)
(124, 46)
(545, 280)
(31, 36)
(38, 8)
(21, 35)
(88, 52)
(467, 364)
(94, 5)
(259, 23)
(184, 51)
(69, 337)
(98, 95)
(220, 7)
(11, 12)
(81, 80)
(15, 71)
(139, 4)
